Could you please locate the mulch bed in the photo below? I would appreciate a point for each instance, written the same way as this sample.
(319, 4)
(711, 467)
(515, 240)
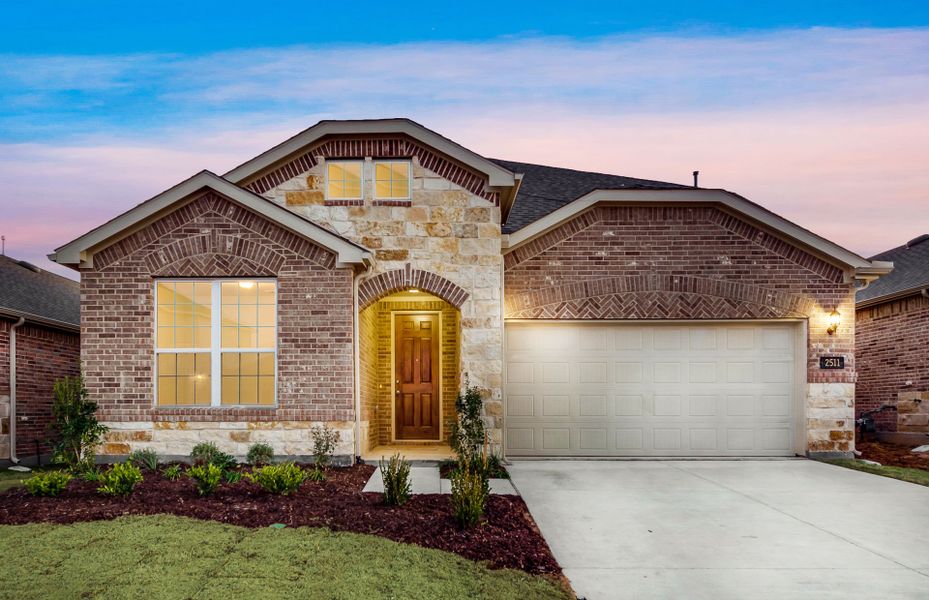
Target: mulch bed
(893, 455)
(507, 538)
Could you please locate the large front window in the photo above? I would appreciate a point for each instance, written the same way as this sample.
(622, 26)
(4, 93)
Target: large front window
(216, 342)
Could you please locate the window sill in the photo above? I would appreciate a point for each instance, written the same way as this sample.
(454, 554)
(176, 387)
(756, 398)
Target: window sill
(401, 203)
(344, 203)
(205, 410)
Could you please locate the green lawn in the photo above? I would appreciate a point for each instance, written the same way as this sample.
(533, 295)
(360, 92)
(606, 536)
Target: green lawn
(172, 557)
(918, 476)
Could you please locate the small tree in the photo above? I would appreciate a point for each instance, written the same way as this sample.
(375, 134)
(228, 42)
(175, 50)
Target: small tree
(325, 440)
(468, 431)
(74, 419)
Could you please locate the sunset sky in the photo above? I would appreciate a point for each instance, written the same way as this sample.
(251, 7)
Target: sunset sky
(818, 111)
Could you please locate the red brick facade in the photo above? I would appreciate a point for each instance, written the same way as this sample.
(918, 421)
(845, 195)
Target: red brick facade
(43, 355)
(214, 237)
(892, 341)
(675, 262)
(375, 288)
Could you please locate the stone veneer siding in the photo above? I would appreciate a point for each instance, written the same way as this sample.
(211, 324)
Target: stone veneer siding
(43, 355)
(649, 262)
(213, 237)
(892, 341)
(444, 230)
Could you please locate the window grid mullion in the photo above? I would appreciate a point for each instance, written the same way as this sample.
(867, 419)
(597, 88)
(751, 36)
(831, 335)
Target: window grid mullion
(215, 342)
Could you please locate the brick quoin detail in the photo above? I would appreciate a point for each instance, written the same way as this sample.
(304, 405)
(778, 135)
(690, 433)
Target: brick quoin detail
(649, 262)
(375, 288)
(212, 236)
(378, 147)
(892, 345)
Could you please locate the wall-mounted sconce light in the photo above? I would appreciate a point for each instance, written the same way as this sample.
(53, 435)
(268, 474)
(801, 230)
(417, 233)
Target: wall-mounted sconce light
(834, 319)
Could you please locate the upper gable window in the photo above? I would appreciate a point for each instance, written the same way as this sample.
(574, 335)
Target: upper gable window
(392, 179)
(344, 179)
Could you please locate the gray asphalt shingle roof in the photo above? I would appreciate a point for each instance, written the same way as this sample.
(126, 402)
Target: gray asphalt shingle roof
(546, 189)
(27, 290)
(911, 270)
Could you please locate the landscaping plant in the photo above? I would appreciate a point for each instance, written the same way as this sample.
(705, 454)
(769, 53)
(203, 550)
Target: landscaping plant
(172, 472)
(233, 476)
(91, 474)
(75, 422)
(49, 483)
(396, 476)
(144, 459)
(283, 479)
(209, 453)
(324, 442)
(468, 431)
(260, 454)
(206, 476)
(470, 489)
(120, 479)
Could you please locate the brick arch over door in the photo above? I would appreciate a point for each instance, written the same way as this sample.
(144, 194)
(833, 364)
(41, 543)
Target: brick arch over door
(375, 288)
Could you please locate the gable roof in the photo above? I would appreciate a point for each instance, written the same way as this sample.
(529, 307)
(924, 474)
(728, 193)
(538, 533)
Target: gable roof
(80, 251)
(545, 189)
(496, 175)
(910, 274)
(39, 296)
(862, 268)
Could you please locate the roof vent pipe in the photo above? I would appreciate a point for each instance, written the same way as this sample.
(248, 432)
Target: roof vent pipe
(696, 175)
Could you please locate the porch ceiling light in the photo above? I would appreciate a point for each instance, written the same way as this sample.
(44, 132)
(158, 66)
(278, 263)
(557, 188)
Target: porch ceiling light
(834, 319)
(246, 285)
(414, 290)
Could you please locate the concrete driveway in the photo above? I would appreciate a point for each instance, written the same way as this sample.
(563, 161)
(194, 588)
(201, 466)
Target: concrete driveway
(729, 529)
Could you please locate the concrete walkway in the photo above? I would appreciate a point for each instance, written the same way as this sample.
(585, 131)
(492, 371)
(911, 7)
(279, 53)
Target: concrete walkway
(426, 480)
(729, 529)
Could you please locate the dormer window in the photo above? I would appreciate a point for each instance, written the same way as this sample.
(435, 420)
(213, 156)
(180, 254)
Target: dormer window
(344, 179)
(392, 179)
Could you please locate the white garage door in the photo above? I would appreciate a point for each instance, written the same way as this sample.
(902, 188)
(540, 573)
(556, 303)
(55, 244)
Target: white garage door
(675, 389)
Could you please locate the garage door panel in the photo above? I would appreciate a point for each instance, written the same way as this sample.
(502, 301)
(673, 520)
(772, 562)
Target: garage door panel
(650, 390)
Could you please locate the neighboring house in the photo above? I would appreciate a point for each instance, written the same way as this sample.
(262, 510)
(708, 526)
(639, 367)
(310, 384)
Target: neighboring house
(892, 337)
(39, 343)
(358, 273)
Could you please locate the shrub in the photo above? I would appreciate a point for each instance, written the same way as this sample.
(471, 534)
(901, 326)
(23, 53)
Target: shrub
(316, 474)
(172, 472)
(284, 478)
(468, 431)
(260, 454)
(120, 480)
(92, 474)
(206, 476)
(209, 453)
(233, 476)
(324, 441)
(470, 489)
(396, 476)
(144, 459)
(75, 422)
(49, 483)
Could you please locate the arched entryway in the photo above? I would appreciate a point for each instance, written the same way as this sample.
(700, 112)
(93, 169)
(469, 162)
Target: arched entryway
(409, 346)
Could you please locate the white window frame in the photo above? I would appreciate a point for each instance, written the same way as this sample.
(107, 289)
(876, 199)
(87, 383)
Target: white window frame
(361, 186)
(409, 179)
(215, 350)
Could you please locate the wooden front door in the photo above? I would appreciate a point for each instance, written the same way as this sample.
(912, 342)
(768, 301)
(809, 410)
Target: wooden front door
(416, 363)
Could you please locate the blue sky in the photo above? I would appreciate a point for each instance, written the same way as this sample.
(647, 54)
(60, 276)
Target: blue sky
(813, 109)
(111, 26)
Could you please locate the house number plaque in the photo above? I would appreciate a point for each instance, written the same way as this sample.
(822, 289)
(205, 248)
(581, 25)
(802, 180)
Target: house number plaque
(831, 362)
